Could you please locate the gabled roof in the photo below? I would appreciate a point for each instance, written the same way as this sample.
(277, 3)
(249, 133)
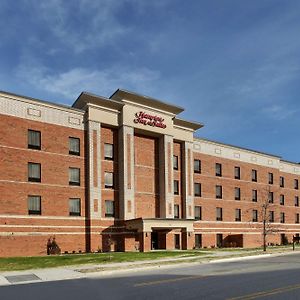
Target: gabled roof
(86, 97)
(188, 124)
(120, 95)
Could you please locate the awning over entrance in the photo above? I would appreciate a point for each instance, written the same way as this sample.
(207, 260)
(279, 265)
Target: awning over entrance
(148, 225)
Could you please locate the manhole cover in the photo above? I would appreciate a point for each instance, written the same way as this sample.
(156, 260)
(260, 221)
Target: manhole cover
(22, 278)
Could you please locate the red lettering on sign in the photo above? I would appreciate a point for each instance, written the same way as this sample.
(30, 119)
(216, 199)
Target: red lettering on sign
(150, 120)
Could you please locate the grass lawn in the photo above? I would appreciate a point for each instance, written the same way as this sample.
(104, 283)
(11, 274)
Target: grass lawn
(36, 262)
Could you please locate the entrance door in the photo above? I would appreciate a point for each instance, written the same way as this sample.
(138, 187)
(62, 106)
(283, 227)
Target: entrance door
(219, 240)
(177, 241)
(154, 240)
(284, 240)
(198, 241)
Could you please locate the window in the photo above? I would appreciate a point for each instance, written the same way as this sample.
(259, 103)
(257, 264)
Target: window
(109, 208)
(175, 162)
(271, 179)
(34, 139)
(74, 176)
(296, 201)
(34, 205)
(296, 184)
(34, 172)
(254, 215)
(198, 213)
(176, 211)
(74, 207)
(219, 240)
(218, 191)
(237, 193)
(74, 146)
(271, 216)
(109, 180)
(218, 169)
(281, 181)
(297, 218)
(197, 166)
(176, 187)
(108, 151)
(238, 215)
(237, 172)
(271, 197)
(254, 175)
(219, 214)
(197, 189)
(282, 217)
(281, 200)
(254, 195)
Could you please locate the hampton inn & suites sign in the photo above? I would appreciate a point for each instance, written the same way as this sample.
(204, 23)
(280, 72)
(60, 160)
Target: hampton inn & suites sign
(150, 120)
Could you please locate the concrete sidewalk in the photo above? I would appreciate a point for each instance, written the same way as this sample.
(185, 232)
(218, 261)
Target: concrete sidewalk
(98, 270)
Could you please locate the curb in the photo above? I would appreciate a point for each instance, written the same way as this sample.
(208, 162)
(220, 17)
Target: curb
(43, 274)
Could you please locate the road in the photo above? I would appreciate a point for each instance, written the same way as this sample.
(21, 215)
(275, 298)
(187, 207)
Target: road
(264, 278)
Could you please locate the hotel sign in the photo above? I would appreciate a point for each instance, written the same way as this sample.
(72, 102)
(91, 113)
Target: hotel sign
(150, 120)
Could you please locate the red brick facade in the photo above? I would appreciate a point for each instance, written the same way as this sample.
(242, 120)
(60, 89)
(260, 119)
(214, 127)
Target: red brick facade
(98, 225)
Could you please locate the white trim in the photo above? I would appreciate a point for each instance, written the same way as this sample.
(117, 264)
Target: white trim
(244, 229)
(43, 184)
(102, 108)
(42, 217)
(238, 222)
(56, 115)
(60, 226)
(183, 128)
(20, 233)
(40, 103)
(148, 107)
(235, 180)
(244, 156)
(42, 151)
(275, 205)
(216, 232)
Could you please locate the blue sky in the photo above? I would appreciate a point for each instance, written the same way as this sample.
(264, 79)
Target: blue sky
(233, 64)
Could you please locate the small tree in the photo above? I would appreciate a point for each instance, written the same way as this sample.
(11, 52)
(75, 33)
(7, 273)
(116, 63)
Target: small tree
(265, 218)
(267, 226)
(109, 244)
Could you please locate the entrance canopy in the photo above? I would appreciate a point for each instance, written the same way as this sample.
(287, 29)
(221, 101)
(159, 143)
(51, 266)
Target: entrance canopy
(148, 225)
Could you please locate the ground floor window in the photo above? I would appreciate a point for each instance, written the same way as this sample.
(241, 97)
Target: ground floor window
(177, 241)
(219, 240)
(198, 241)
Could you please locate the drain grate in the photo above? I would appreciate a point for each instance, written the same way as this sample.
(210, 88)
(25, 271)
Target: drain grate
(22, 278)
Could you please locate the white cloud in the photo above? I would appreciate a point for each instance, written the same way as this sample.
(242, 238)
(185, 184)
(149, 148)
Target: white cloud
(86, 24)
(278, 112)
(103, 82)
(98, 24)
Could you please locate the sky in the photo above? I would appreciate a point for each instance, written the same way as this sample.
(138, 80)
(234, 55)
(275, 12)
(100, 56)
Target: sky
(234, 65)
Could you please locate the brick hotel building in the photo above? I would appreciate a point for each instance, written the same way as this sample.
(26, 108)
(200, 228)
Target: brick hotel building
(127, 174)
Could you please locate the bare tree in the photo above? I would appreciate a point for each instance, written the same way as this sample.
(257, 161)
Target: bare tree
(264, 220)
(267, 219)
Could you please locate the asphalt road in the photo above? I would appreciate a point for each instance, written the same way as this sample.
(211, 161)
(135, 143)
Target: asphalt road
(265, 278)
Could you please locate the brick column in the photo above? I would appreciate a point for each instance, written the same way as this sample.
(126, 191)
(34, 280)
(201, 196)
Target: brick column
(94, 169)
(188, 240)
(166, 177)
(145, 241)
(188, 180)
(93, 205)
(170, 245)
(126, 173)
